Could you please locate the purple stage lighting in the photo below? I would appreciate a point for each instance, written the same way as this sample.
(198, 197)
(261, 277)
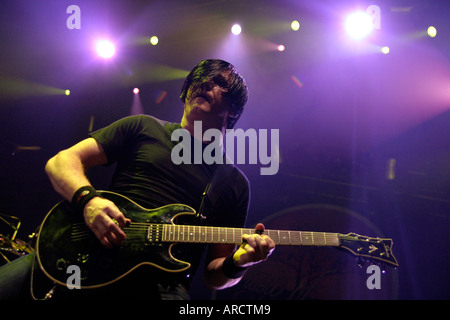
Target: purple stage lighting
(105, 49)
(359, 25)
(236, 29)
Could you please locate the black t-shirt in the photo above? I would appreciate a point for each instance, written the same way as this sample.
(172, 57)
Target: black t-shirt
(141, 145)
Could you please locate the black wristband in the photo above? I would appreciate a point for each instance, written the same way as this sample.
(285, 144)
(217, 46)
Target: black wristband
(83, 196)
(230, 270)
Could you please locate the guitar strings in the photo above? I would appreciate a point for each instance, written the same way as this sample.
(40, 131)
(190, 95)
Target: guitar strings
(139, 231)
(80, 231)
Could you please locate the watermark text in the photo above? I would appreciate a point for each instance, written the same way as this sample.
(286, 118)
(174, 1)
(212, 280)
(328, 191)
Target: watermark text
(235, 147)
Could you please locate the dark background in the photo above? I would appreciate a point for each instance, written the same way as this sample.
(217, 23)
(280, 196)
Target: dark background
(355, 111)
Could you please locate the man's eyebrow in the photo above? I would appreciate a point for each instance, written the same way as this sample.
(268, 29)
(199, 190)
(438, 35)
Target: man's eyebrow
(220, 80)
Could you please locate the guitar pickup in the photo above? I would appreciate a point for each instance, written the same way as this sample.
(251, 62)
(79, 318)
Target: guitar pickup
(154, 233)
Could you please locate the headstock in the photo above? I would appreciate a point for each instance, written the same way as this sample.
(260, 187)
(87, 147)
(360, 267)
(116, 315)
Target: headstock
(369, 248)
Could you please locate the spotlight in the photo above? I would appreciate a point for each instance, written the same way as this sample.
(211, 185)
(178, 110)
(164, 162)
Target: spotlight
(236, 29)
(431, 31)
(105, 49)
(385, 50)
(136, 90)
(295, 25)
(281, 48)
(154, 40)
(67, 92)
(359, 25)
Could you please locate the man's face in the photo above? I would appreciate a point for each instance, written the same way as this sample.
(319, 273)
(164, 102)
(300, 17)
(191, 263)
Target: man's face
(205, 98)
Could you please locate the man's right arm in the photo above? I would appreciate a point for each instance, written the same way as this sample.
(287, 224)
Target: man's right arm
(66, 171)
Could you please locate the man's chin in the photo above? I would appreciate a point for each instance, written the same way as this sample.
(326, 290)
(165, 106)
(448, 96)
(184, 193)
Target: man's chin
(201, 108)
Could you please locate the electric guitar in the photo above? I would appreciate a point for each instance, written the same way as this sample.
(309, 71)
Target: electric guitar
(65, 240)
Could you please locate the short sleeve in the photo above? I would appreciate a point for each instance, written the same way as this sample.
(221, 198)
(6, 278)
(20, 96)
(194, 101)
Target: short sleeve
(116, 137)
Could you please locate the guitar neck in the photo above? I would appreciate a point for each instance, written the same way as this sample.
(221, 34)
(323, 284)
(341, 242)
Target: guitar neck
(202, 234)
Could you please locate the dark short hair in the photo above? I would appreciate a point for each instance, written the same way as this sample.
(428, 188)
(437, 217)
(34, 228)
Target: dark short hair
(237, 93)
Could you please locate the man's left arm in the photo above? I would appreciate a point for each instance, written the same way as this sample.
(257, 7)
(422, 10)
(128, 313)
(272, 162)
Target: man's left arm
(226, 266)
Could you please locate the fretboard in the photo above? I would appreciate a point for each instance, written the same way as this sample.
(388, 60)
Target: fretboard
(202, 234)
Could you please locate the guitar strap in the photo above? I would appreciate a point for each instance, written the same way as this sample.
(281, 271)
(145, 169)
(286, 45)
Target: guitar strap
(214, 189)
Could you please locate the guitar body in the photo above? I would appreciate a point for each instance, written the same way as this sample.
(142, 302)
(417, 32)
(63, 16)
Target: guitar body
(65, 240)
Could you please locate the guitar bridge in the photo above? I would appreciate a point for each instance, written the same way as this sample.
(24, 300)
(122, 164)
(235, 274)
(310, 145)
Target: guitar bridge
(154, 234)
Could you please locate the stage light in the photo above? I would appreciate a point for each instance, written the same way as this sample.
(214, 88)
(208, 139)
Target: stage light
(67, 92)
(105, 49)
(431, 31)
(236, 29)
(359, 25)
(385, 50)
(281, 48)
(295, 25)
(136, 90)
(154, 40)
